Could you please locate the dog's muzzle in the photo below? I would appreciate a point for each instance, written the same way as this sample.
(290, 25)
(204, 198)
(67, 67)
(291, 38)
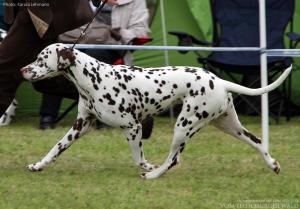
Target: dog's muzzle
(26, 72)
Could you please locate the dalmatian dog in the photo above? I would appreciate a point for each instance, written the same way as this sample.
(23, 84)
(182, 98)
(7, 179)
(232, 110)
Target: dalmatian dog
(122, 96)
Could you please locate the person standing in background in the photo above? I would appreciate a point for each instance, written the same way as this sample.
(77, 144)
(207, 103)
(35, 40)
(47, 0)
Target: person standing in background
(34, 25)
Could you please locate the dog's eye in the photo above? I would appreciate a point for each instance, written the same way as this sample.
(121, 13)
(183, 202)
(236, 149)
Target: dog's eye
(39, 62)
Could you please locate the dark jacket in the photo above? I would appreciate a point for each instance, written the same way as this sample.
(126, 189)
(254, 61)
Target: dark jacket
(52, 17)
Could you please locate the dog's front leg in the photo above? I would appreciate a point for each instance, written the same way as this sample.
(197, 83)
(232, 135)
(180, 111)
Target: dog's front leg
(80, 127)
(134, 136)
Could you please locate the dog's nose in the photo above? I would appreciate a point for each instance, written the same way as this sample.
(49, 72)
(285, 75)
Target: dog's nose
(24, 70)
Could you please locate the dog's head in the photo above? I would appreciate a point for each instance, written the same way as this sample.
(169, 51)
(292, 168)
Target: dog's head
(51, 62)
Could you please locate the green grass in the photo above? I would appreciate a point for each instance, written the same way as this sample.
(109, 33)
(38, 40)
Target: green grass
(98, 172)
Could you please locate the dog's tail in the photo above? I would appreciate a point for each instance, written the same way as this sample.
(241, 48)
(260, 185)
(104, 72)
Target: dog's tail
(229, 86)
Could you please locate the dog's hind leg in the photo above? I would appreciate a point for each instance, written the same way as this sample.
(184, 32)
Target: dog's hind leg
(134, 138)
(82, 124)
(229, 123)
(186, 126)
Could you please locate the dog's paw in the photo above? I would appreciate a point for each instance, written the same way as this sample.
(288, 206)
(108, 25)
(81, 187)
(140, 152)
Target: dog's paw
(276, 167)
(34, 167)
(149, 175)
(148, 166)
(152, 174)
(143, 175)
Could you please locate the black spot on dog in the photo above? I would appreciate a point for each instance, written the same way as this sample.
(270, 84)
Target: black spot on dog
(109, 98)
(202, 90)
(205, 114)
(188, 108)
(121, 108)
(252, 137)
(166, 97)
(123, 86)
(185, 122)
(78, 124)
(85, 72)
(77, 135)
(96, 87)
(190, 70)
(117, 90)
(174, 162)
(211, 84)
(66, 54)
(198, 115)
(152, 101)
(127, 78)
(135, 68)
(194, 93)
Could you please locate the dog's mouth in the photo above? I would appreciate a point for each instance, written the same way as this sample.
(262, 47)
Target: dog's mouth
(35, 79)
(29, 74)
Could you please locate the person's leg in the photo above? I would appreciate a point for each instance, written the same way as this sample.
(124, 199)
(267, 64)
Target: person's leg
(9, 113)
(18, 49)
(58, 86)
(3, 108)
(50, 105)
(54, 90)
(49, 110)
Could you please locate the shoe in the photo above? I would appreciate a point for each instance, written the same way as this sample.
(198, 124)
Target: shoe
(46, 122)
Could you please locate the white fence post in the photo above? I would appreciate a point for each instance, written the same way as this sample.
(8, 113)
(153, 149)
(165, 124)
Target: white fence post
(264, 74)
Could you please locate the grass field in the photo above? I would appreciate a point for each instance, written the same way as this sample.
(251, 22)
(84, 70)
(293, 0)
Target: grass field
(216, 171)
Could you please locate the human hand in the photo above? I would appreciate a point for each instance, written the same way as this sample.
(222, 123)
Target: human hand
(96, 3)
(113, 2)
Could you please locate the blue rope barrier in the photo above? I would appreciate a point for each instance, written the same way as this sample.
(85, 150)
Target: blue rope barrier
(163, 48)
(269, 52)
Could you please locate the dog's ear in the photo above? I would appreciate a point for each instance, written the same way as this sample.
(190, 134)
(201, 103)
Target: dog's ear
(66, 54)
